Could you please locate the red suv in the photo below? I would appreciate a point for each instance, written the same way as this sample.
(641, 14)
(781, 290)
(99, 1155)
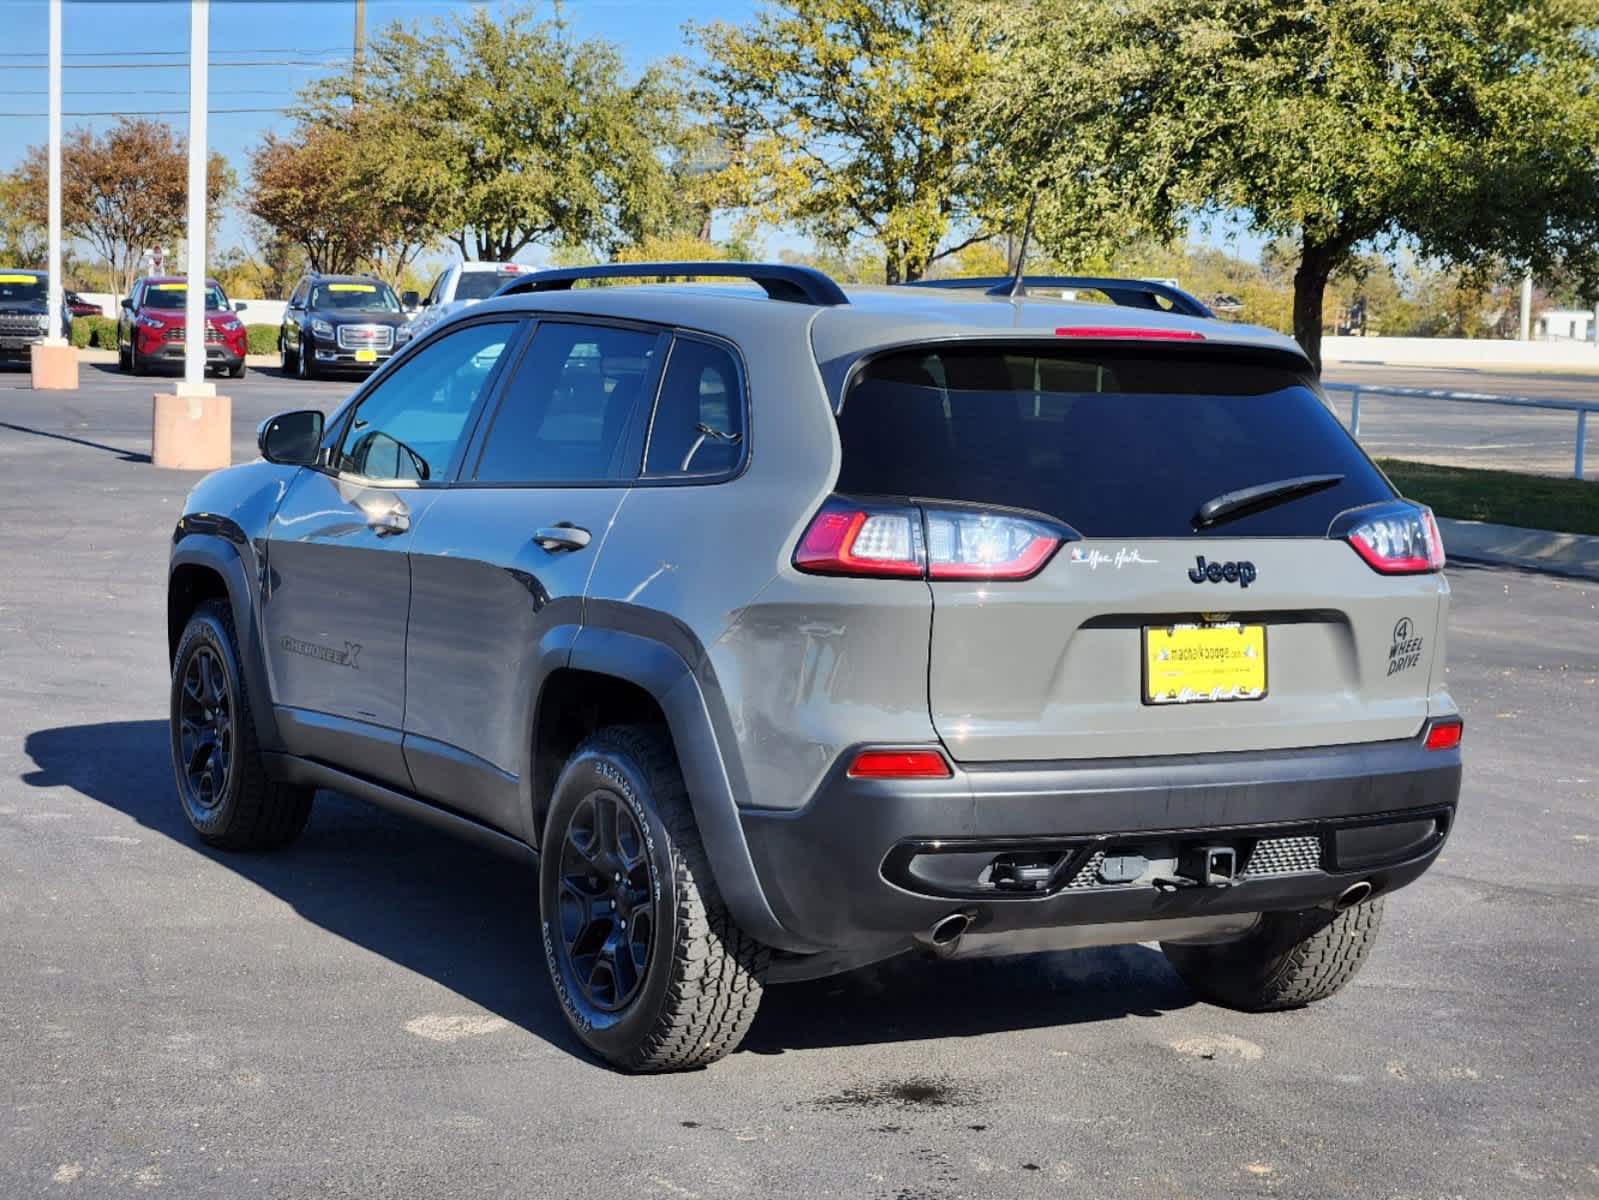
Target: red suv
(150, 329)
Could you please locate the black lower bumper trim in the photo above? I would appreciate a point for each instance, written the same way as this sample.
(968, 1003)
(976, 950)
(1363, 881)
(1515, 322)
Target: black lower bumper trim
(836, 872)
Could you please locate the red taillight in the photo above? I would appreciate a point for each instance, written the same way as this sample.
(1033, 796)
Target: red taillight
(899, 764)
(845, 540)
(1400, 540)
(1445, 734)
(908, 541)
(1130, 331)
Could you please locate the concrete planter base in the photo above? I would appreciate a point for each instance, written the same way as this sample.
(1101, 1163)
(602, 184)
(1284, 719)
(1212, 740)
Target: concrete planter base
(192, 433)
(55, 368)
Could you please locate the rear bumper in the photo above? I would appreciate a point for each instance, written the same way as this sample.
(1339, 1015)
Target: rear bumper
(868, 865)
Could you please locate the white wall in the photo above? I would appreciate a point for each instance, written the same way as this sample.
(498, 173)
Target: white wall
(257, 312)
(1462, 352)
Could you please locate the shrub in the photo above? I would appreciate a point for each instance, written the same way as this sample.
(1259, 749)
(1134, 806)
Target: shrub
(263, 338)
(100, 332)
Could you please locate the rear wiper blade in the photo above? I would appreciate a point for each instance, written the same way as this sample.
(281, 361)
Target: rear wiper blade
(1262, 495)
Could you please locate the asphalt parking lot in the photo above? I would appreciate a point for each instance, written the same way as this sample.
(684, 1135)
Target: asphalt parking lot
(367, 1014)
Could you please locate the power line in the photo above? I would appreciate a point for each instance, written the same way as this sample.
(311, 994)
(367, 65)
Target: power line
(168, 53)
(151, 112)
(141, 92)
(182, 66)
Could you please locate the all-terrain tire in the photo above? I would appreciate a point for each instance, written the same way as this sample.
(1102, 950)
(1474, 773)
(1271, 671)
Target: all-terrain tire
(1289, 960)
(698, 992)
(242, 809)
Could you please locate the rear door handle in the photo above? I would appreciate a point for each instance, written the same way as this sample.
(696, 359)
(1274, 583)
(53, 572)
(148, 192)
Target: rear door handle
(562, 537)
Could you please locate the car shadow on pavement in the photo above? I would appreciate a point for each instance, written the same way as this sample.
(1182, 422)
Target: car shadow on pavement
(467, 918)
(132, 456)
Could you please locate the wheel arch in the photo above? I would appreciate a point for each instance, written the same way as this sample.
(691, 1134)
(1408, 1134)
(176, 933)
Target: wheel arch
(649, 679)
(208, 566)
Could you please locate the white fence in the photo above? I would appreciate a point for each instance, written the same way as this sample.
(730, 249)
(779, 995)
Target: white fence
(1459, 352)
(257, 312)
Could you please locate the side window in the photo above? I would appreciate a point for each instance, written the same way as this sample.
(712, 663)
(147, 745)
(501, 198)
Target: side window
(298, 297)
(566, 411)
(433, 292)
(698, 428)
(410, 424)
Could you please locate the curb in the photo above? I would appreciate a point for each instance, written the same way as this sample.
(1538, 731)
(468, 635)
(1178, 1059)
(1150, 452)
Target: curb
(1571, 554)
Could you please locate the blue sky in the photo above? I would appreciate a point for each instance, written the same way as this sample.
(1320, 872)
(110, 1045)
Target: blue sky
(300, 39)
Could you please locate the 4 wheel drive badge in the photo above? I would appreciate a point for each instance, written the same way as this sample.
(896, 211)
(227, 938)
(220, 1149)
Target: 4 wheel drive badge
(1405, 652)
(1241, 573)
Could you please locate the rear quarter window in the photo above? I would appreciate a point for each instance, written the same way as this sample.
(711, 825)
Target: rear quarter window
(1119, 442)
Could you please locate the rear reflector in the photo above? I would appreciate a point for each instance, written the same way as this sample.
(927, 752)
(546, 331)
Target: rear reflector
(899, 764)
(848, 537)
(1130, 331)
(1396, 539)
(1444, 735)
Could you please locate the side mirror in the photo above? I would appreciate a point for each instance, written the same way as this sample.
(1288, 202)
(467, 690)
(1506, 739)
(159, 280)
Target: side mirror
(291, 438)
(411, 300)
(239, 306)
(127, 303)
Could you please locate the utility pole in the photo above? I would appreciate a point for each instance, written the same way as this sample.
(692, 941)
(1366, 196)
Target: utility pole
(360, 39)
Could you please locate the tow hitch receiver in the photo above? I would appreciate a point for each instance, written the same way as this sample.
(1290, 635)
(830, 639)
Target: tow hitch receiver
(1209, 866)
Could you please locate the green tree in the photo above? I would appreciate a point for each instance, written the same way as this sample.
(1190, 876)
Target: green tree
(22, 236)
(301, 189)
(500, 131)
(1467, 127)
(853, 119)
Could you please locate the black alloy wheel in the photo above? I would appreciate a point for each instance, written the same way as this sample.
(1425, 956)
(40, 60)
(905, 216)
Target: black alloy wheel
(205, 729)
(607, 910)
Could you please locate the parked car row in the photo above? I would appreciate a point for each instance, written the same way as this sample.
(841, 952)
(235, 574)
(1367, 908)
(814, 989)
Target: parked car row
(333, 323)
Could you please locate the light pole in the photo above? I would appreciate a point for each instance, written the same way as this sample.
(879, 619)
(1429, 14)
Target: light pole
(193, 427)
(54, 364)
(194, 381)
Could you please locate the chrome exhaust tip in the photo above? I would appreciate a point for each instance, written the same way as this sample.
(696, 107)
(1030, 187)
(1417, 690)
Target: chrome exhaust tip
(947, 932)
(1352, 895)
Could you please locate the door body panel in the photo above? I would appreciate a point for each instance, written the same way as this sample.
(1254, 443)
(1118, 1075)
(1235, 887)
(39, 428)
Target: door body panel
(492, 612)
(334, 608)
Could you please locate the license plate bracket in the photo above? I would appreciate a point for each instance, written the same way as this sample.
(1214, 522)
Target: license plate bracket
(1209, 663)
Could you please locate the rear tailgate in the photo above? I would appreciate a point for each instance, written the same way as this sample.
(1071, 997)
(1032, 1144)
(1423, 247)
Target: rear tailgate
(1154, 633)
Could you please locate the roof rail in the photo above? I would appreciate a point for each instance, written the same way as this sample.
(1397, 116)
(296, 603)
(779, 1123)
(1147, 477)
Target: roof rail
(782, 281)
(1125, 293)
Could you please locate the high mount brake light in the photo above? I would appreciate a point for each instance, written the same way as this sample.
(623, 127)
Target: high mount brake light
(924, 542)
(1400, 539)
(899, 764)
(1130, 331)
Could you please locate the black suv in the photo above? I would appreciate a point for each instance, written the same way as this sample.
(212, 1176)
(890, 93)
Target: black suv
(23, 312)
(341, 322)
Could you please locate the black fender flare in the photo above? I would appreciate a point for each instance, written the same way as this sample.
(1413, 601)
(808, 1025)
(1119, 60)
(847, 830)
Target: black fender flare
(693, 722)
(216, 551)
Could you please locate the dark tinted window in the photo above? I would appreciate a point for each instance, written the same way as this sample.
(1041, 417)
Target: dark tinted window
(408, 427)
(480, 285)
(566, 410)
(1116, 443)
(22, 287)
(699, 419)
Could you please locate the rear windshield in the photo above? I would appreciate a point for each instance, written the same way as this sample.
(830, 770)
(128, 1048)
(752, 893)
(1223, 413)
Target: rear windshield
(480, 285)
(1116, 443)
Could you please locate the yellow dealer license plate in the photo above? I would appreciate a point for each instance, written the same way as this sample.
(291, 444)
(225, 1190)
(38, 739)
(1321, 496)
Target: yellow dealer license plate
(366, 356)
(1193, 664)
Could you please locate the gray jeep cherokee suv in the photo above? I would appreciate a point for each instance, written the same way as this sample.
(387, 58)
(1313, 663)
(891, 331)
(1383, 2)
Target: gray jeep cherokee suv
(787, 629)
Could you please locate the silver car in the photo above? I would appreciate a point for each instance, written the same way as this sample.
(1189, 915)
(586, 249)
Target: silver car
(782, 629)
